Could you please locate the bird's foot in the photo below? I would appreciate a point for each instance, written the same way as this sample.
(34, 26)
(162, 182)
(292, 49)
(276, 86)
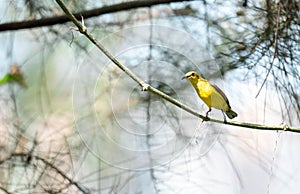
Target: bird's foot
(224, 116)
(205, 119)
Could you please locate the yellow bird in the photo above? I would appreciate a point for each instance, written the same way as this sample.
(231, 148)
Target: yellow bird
(211, 94)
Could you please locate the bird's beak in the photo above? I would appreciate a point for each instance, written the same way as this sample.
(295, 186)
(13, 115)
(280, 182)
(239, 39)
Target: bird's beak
(184, 77)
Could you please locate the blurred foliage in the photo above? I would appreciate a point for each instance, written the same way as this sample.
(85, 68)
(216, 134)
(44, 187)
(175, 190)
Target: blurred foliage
(15, 75)
(264, 37)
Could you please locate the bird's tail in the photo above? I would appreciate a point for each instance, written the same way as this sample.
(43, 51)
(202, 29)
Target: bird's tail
(231, 114)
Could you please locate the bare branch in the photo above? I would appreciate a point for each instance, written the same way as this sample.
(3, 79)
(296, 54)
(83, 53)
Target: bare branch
(86, 14)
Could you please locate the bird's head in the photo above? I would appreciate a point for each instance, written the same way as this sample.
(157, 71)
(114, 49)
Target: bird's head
(192, 76)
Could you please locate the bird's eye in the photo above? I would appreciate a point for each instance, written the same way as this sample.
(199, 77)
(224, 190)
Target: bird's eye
(193, 74)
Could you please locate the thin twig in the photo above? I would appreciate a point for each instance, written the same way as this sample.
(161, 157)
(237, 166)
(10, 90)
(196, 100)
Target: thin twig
(146, 87)
(275, 51)
(72, 182)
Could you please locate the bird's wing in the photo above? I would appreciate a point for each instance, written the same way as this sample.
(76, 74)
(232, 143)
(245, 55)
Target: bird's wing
(221, 93)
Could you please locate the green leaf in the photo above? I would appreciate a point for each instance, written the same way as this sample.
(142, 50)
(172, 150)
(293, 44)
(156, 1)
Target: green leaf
(5, 79)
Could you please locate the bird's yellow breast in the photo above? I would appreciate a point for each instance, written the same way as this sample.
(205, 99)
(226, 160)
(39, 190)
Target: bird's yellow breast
(204, 91)
(210, 96)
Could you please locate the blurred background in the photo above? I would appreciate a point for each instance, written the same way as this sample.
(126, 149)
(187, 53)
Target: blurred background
(72, 122)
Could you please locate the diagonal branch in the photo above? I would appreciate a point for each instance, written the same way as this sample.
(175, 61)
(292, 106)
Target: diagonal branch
(4, 190)
(86, 14)
(146, 87)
